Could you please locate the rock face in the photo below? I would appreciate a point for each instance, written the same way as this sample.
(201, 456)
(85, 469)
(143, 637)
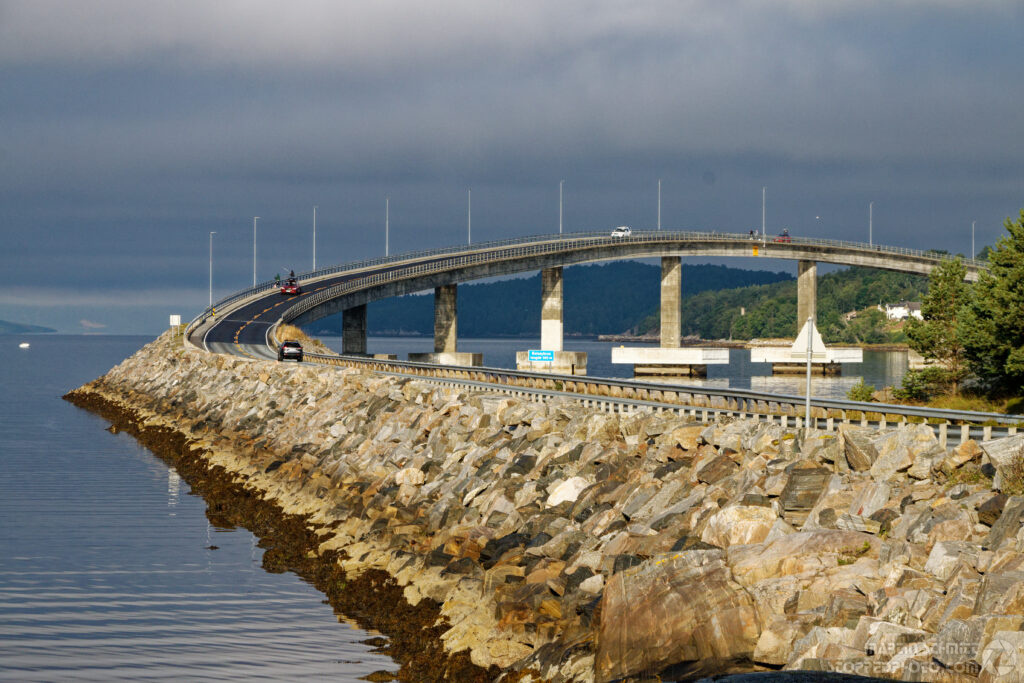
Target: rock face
(578, 545)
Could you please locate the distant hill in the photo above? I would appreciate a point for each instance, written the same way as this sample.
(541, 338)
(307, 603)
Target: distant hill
(599, 299)
(770, 310)
(7, 327)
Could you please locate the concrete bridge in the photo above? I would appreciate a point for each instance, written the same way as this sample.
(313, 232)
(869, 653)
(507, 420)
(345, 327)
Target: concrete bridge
(347, 289)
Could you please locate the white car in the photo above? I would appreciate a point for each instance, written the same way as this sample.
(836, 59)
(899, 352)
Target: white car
(622, 231)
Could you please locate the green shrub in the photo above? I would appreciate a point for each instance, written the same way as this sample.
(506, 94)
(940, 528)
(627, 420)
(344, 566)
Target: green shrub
(861, 392)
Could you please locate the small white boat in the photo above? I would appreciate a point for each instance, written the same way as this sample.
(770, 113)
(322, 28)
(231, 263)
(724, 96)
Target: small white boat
(23, 345)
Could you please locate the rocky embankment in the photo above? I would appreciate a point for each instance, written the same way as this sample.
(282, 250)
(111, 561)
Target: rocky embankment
(565, 544)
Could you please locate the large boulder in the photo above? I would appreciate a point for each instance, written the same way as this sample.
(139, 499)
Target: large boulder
(898, 449)
(673, 609)
(1003, 451)
(738, 524)
(800, 552)
(856, 443)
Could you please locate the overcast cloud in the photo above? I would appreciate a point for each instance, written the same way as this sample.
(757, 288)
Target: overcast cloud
(130, 130)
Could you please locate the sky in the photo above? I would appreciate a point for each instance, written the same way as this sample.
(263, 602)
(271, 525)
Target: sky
(131, 130)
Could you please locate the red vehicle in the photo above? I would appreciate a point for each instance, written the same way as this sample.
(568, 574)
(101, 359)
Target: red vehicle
(291, 286)
(784, 237)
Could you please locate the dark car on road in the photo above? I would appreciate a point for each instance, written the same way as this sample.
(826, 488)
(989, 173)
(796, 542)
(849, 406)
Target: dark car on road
(290, 349)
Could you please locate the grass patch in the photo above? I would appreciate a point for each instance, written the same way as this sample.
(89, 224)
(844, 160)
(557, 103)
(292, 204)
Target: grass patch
(1012, 474)
(982, 404)
(291, 332)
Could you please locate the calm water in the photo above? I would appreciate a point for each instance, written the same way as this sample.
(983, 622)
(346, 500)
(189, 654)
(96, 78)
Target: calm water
(880, 368)
(105, 571)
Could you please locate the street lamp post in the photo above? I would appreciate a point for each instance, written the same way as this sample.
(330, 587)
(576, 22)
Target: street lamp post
(807, 397)
(254, 219)
(974, 254)
(387, 219)
(764, 196)
(469, 216)
(314, 237)
(212, 233)
(871, 217)
(659, 203)
(560, 182)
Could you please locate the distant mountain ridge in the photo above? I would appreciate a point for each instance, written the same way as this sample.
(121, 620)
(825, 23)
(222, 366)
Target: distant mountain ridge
(598, 299)
(8, 327)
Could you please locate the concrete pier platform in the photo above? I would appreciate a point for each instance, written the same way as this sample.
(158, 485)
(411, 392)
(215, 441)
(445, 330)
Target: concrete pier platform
(676, 362)
(825, 360)
(448, 358)
(561, 363)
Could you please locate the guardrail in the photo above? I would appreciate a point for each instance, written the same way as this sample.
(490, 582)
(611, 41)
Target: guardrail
(706, 403)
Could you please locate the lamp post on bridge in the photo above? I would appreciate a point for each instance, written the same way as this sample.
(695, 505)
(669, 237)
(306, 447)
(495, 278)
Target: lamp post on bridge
(387, 218)
(659, 203)
(764, 196)
(314, 236)
(871, 215)
(469, 216)
(254, 219)
(560, 183)
(212, 233)
(974, 254)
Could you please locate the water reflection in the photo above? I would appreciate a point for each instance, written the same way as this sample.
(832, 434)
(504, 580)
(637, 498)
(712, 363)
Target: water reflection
(106, 571)
(880, 368)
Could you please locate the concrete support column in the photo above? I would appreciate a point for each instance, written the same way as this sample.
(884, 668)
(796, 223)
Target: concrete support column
(445, 318)
(671, 301)
(806, 293)
(551, 309)
(353, 330)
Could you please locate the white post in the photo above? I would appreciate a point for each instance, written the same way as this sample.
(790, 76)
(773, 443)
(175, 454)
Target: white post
(973, 253)
(314, 238)
(255, 218)
(764, 192)
(871, 218)
(469, 217)
(387, 218)
(659, 203)
(807, 398)
(560, 182)
(212, 233)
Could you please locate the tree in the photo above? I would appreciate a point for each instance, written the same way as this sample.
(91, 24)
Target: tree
(940, 333)
(995, 322)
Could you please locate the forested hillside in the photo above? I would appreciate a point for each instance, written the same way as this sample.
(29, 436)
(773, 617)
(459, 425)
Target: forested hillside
(599, 299)
(770, 310)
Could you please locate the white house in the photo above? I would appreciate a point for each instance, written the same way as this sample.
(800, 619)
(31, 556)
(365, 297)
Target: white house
(902, 310)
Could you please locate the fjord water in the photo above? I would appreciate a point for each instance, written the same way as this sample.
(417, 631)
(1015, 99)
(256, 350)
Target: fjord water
(880, 368)
(106, 570)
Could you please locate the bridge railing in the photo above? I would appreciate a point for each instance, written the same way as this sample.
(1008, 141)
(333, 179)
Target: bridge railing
(572, 241)
(516, 249)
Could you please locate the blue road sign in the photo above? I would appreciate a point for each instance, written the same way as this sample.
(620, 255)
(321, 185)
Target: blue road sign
(537, 356)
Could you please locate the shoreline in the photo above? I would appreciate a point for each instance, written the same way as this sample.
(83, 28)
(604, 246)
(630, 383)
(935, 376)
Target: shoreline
(373, 600)
(549, 541)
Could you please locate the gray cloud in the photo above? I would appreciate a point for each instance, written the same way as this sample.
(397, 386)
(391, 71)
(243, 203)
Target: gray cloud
(130, 130)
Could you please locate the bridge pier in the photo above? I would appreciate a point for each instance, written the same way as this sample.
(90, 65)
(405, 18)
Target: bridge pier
(551, 332)
(806, 293)
(670, 359)
(353, 331)
(671, 301)
(446, 323)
